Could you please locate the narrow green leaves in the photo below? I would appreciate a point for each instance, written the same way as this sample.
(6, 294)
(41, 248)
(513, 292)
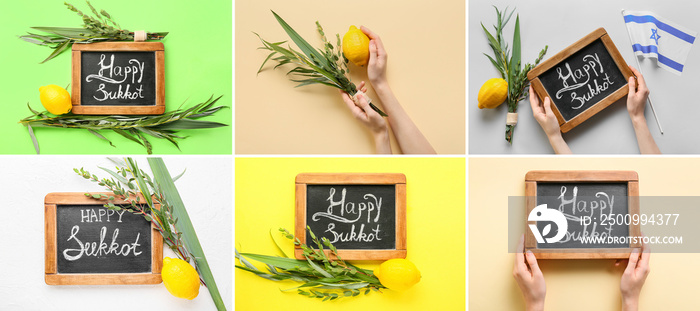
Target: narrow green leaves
(100, 27)
(322, 277)
(133, 128)
(509, 62)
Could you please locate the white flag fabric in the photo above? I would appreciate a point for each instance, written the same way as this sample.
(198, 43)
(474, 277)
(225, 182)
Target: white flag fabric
(656, 37)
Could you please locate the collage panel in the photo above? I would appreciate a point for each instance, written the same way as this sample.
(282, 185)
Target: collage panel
(583, 55)
(73, 242)
(345, 200)
(589, 259)
(410, 54)
(79, 79)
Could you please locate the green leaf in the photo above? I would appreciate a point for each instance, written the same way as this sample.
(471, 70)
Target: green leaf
(515, 54)
(300, 42)
(179, 175)
(101, 137)
(277, 245)
(187, 124)
(189, 236)
(127, 136)
(120, 178)
(318, 269)
(58, 51)
(31, 134)
(282, 263)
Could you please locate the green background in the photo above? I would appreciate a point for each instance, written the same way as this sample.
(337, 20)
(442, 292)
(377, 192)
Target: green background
(198, 64)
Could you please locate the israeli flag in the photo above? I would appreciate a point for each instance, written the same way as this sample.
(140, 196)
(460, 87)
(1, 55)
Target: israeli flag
(656, 37)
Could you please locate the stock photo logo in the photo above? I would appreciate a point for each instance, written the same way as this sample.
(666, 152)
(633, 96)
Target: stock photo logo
(542, 213)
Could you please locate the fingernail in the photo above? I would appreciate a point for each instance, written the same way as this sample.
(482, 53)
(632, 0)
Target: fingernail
(529, 252)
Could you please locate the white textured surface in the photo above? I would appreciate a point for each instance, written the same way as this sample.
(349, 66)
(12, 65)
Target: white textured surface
(206, 189)
(559, 24)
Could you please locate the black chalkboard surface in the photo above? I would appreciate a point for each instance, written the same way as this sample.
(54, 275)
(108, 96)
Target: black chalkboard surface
(353, 216)
(88, 244)
(582, 79)
(581, 214)
(92, 239)
(118, 78)
(583, 201)
(362, 214)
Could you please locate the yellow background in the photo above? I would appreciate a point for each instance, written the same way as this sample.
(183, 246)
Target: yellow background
(572, 284)
(435, 230)
(426, 70)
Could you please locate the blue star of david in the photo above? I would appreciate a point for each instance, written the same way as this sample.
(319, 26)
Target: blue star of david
(655, 35)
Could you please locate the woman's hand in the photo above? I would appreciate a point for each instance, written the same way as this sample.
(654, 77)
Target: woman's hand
(529, 278)
(362, 111)
(376, 67)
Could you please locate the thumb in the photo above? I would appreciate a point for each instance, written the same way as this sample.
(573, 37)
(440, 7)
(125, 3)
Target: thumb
(532, 261)
(361, 100)
(631, 86)
(548, 106)
(372, 52)
(632, 264)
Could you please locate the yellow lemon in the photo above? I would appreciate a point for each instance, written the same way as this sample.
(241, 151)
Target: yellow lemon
(55, 99)
(493, 93)
(180, 278)
(397, 274)
(356, 46)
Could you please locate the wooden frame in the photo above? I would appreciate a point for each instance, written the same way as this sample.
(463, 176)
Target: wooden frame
(156, 47)
(51, 275)
(532, 178)
(399, 180)
(545, 66)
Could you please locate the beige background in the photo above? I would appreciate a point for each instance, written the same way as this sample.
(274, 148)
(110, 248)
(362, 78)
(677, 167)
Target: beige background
(572, 284)
(426, 70)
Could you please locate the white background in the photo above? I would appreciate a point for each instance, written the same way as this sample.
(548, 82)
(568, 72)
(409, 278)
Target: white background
(560, 24)
(206, 189)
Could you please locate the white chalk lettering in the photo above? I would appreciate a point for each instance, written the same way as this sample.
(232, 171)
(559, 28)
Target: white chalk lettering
(101, 248)
(575, 209)
(365, 214)
(590, 77)
(128, 78)
(101, 215)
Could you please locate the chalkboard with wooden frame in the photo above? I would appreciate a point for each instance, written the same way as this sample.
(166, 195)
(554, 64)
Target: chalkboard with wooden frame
(543, 186)
(362, 214)
(118, 78)
(583, 79)
(105, 243)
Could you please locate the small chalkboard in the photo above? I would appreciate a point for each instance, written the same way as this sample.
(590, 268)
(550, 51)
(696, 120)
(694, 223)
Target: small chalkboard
(125, 78)
(363, 215)
(595, 206)
(87, 243)
(583, 79)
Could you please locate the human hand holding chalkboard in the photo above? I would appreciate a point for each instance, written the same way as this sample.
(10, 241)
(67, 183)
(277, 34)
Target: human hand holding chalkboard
(549, 123)
(634, 277)
(529, 277)
(531, 282)
(636, 102)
